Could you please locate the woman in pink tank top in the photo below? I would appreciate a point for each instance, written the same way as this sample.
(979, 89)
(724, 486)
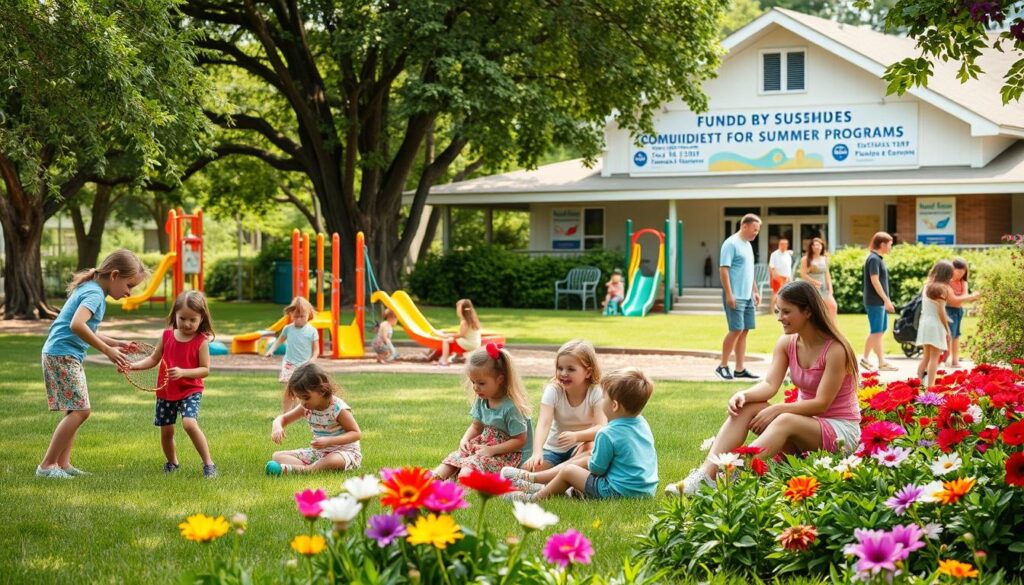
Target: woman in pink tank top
(823, 367)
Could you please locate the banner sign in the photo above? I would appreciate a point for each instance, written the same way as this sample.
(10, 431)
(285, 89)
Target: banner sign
(936, 220)
(830, 138)
(566, 228)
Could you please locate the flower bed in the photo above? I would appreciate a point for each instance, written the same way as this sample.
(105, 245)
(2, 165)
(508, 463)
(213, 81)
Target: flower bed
(934, 491)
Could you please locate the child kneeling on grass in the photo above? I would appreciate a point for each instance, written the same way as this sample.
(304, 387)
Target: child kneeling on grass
(623, 463)
(335, 444)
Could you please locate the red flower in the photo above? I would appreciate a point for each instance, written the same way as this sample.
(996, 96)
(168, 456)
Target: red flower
(989, 434)
(878, 435)
(406, 489)
(791, 395)
(947, 438)
(759, 466)
(1017, 361)
(1015, 470)
(1014, 434)
(487, 484)
(747, 450)
(924, 421)
(956, 402)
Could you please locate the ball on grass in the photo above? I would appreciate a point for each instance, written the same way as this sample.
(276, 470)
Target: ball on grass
(273, 468)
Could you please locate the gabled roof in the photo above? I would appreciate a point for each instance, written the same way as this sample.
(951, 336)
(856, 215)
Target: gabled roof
(978, 102)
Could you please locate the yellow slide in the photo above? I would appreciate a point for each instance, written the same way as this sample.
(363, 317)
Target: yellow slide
(416, 325)
(134, 302)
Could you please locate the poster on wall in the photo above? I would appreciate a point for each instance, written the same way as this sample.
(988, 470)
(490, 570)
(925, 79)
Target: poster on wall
(936, 220)
(863, 228)
(813, 138)
(566, 228)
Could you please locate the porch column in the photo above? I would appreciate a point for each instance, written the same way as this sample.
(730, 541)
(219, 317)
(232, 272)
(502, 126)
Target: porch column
(489, 225)
(673, 246)
(446, 228)
(833, 223)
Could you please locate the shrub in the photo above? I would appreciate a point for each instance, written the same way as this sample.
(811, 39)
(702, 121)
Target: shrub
(493, 277)
(221, 278)
(1000, 336)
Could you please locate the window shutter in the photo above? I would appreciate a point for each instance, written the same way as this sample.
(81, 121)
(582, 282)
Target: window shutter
(795, 71)
(772, 66)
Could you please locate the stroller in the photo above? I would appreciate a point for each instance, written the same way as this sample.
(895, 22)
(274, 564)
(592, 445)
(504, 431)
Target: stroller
(905, 327)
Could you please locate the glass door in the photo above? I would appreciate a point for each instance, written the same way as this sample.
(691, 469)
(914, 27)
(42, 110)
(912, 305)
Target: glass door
(810, 230)
(777, 231)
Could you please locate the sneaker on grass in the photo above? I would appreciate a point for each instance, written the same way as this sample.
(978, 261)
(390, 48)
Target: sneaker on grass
(170, 467)
(526, 486)
(745, 374)
(691, 484)
(53, 473)
(210, 471)
(75, 472)
(723, 372)
(516, 473)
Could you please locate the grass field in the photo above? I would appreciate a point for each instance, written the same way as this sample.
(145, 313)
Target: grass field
(120, 525)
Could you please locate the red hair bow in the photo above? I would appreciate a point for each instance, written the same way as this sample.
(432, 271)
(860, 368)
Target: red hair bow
(494, 350)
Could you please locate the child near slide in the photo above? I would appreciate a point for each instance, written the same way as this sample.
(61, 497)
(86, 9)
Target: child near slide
(623, 464)
(336, 434)
(933, 334)
(382, 345)
(469, 331)
(71, 333)
(570, 408)
(303, 345)
(500, 432)
(184, 348)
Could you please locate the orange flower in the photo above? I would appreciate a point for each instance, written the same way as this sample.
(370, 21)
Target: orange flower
(957, 569)
(800, 488)
(406, 489)
(954, 490)
(797, 537)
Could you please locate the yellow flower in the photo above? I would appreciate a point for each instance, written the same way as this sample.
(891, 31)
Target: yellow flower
(955, 568)
(309, 545)
(202, 528)
(864, 394)
(439, 531)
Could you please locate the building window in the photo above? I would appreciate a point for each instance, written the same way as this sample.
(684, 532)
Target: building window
(593, 228)
(890, 218)
(799, 210)
(783, 71)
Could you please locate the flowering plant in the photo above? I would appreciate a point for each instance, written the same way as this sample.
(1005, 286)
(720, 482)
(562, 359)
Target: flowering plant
(934, 488)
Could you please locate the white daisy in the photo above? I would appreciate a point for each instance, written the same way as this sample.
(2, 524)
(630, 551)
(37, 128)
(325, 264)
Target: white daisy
(930, 491)
(847, 464)
(706, 445)
(533, 517)
(825, 462)
(946, 463)
(976, 413)
(726, 460)
(932, 530)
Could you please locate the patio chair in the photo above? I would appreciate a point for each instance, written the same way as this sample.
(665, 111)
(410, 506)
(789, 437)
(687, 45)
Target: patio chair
(580, 281)
(761, 279)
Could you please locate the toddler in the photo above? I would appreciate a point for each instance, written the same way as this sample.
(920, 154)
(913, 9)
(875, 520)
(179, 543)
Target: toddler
(303, 345)
(336, 434)
(382, 345)
(616, 292)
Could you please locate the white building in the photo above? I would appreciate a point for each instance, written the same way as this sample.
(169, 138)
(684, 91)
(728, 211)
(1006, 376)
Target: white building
(799, 130)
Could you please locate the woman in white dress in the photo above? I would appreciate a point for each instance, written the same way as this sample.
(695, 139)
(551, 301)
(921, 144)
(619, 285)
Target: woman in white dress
(933, 334)
(814, 269)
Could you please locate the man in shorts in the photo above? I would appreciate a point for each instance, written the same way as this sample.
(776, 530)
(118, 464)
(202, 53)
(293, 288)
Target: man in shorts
(780, 269)
(739, 296)
(876, 301)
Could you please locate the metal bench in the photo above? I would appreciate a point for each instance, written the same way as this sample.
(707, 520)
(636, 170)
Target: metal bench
(580, 281)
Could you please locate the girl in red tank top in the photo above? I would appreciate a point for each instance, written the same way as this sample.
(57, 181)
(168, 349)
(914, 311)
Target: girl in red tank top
(184, 349)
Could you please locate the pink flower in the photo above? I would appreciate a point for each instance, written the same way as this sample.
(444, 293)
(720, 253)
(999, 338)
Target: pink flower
(876, 551)
(568, 547)
(445, 497)
(309, 502)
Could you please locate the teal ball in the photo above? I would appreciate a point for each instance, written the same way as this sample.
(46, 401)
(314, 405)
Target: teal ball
(273, 468)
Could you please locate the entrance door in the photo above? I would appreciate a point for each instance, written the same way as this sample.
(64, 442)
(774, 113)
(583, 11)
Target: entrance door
(776, 231)
(810, 230)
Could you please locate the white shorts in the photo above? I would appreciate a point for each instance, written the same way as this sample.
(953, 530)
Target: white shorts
(847, 434)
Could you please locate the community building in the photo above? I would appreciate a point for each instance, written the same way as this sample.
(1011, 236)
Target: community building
(799, 130)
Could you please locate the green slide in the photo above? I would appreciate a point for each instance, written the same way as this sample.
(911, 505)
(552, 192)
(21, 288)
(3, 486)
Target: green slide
(641, 294)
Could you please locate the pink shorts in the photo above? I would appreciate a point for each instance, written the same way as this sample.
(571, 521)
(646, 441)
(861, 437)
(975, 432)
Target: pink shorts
(286, 371)
(839, 434)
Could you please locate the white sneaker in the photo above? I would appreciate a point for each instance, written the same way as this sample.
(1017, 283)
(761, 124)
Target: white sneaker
(515, 473)
(53, 473)
(690, 485)
(520, 497)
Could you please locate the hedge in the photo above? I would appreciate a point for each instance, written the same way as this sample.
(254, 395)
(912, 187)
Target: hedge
(494, 277)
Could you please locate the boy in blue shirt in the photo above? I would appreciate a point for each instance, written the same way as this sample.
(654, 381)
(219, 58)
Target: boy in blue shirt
(623, 462)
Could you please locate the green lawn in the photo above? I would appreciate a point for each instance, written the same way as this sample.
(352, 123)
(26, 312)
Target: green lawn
(555, 327)
(120, 524)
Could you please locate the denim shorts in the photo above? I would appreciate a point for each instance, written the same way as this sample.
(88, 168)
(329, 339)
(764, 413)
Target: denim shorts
(956, 316)
(554, 458)
(742, 317)
(167, 410)
(598, 487)
(878, 319)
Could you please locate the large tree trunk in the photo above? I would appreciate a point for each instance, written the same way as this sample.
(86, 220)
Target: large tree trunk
(24, 297)
(90, 241)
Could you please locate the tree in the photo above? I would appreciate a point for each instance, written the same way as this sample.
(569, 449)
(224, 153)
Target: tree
(959, 32)
(863, 14)
(740, 13)
(91, 87)
(366, 83)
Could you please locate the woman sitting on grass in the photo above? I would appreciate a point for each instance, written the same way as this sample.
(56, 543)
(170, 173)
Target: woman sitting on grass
(823, 367)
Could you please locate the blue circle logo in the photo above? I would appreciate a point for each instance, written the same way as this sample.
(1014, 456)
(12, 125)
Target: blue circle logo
(840, 152)
(640, 158)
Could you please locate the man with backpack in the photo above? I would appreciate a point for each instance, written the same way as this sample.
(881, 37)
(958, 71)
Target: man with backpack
(876, 301)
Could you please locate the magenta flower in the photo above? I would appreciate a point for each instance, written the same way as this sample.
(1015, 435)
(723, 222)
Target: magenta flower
(891, 456)
(909, 537)
(445, 497)
(876, 550)
(386, 528)
(901, 501)
(309, 502)
(568, 547)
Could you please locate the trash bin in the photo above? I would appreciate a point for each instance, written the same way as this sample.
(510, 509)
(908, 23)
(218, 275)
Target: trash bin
(282, 282)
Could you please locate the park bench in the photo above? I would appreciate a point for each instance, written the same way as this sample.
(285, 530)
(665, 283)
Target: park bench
(580, 281)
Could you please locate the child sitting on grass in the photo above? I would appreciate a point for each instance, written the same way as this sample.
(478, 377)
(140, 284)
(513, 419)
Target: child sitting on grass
(382, 345)
(335, 444)
(623, 463)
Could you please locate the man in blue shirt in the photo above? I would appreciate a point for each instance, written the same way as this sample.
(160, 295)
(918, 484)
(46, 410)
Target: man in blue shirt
(740, 296)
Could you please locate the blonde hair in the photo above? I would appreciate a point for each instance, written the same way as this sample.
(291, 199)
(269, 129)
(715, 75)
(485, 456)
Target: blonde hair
(125, 262)
(300, 304)
(309, 378)
(467, 312)
(195, 301)
(583, 351)
(629, 387)
(504, 368)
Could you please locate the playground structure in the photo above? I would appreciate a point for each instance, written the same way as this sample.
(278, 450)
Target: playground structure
(347, 341)
(419, 329)
(183, 262)
(642, 289)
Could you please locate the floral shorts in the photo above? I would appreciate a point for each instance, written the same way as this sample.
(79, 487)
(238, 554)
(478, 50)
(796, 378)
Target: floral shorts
(286, 371)
(309, 455)
(66, 388)
(488, 464)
